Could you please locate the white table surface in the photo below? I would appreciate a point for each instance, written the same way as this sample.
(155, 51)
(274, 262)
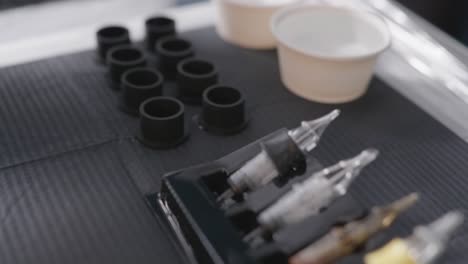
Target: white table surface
(29, 34)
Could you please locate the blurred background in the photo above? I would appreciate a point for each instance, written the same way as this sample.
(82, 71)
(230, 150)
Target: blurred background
(449, 15)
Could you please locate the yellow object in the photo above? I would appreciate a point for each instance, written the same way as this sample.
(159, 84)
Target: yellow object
(395, 252)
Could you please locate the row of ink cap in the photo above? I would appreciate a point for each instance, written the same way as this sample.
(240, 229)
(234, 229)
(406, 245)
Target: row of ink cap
(315, 195)
(141, 84)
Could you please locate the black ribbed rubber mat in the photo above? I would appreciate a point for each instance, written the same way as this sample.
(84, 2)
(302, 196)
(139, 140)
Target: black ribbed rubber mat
(72, 178)
(78, 207)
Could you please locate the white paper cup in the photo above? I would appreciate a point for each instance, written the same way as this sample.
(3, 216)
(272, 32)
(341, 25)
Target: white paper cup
(246, 23)
(327, 54)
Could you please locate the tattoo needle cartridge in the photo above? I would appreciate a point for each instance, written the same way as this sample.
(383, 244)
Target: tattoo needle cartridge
(344, 240)
(269, 163)
(425, 246)
(316, 193)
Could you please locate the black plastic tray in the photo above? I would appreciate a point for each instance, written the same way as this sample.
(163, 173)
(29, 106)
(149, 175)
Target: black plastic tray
(211, 234)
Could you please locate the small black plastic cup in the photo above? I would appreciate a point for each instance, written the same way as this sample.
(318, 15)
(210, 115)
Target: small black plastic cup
(109, 37)
(156, 28)
(194, 76)
(162, 123)
(171, 51)
(121, 59)
(138, 85)
(223, 110)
